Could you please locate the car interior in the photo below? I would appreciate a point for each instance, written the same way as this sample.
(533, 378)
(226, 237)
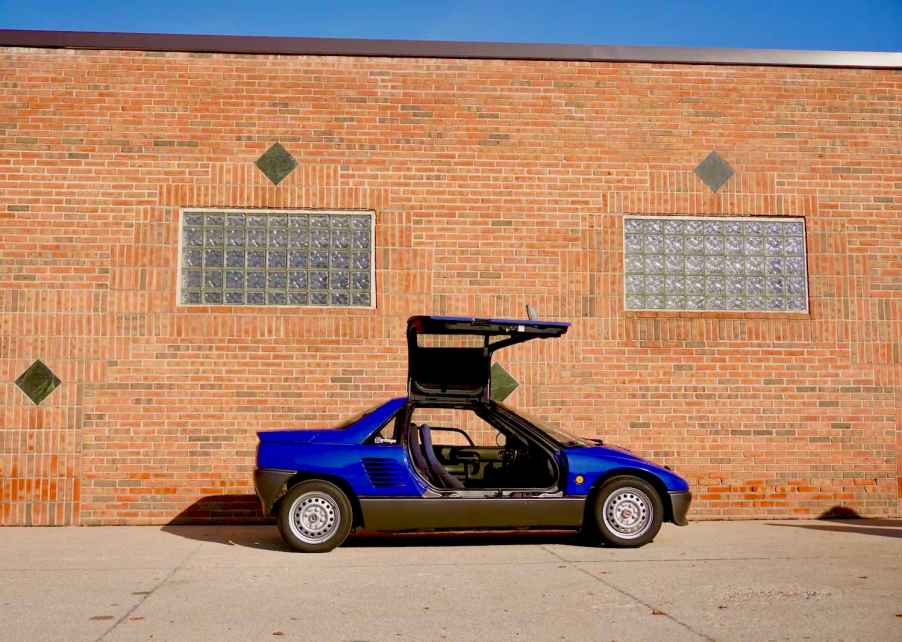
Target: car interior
(486, 457)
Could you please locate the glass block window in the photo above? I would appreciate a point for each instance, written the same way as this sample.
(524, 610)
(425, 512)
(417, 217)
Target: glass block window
(276, 257)
(715, 263)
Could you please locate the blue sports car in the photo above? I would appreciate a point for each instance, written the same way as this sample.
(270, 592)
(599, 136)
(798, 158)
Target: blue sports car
(448, 456)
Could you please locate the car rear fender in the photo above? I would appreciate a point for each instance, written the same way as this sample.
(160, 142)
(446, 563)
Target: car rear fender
(301, 476)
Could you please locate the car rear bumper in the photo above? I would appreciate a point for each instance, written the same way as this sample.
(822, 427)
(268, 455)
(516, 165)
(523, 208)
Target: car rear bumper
(679, 502)
(270, 484)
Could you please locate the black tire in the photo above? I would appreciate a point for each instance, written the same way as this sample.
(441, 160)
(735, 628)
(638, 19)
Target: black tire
(308, 506)
(640, 498)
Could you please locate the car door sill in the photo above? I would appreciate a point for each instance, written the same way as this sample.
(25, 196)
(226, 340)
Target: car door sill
(461, 512)
(496, 493)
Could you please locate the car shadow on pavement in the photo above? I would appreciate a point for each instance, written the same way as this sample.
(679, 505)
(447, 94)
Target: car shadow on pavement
(222, 509)
(260, 536)
(468, 538)
(231, 520)
(236, 520)
(879, 527)
(266, 537)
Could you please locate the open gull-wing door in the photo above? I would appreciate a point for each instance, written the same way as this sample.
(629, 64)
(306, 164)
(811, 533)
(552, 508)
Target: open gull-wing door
(451, 357)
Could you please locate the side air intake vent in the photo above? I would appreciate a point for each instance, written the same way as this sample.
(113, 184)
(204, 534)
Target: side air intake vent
(383, 473)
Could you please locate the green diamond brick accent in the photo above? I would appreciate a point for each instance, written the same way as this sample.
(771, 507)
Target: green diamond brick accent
(714, 171)
(503, 384)
(37, 382)
(276, 163)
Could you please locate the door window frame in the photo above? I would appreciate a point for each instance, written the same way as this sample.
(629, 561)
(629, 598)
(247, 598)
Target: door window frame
(490, 415)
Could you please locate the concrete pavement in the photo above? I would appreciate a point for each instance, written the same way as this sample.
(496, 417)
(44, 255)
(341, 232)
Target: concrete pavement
(769, 580)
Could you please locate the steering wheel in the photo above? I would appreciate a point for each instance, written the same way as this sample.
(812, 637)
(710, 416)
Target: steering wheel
(509, 457)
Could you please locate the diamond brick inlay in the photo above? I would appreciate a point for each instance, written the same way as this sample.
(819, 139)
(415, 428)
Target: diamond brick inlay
(714, 171)
(276, 163)
(37, 382)
(503, 384)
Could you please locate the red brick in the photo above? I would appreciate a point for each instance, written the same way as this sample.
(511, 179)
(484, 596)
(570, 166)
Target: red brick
(495, 184)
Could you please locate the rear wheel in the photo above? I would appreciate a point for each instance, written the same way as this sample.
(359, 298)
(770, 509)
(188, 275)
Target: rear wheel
(627, 512)
(315, 517)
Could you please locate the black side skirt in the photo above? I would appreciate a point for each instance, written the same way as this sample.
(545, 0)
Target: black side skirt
(403, 514)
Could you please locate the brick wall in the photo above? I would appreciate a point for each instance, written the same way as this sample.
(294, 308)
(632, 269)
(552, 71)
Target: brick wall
(495, 183)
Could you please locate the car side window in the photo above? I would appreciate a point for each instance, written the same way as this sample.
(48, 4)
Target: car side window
(388, 434)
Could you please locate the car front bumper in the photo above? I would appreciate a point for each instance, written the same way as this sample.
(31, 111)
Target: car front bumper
(270, 485)
(679, 502)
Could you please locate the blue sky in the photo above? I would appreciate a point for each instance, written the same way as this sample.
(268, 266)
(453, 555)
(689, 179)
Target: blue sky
(869, 25)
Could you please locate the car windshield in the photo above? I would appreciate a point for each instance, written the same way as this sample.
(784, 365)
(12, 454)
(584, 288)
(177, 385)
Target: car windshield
(563, 437)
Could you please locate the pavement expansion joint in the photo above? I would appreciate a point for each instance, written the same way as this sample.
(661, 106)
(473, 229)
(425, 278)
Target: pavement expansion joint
(654, 610)
(146, 594)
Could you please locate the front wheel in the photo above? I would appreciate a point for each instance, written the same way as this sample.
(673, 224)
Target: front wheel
(315, 517)
(627, 512)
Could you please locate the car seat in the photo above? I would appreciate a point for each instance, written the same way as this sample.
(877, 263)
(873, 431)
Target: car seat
(416, 454)
(447, 479)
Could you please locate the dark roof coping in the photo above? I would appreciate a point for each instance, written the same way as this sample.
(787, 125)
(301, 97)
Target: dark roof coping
(443, 49)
